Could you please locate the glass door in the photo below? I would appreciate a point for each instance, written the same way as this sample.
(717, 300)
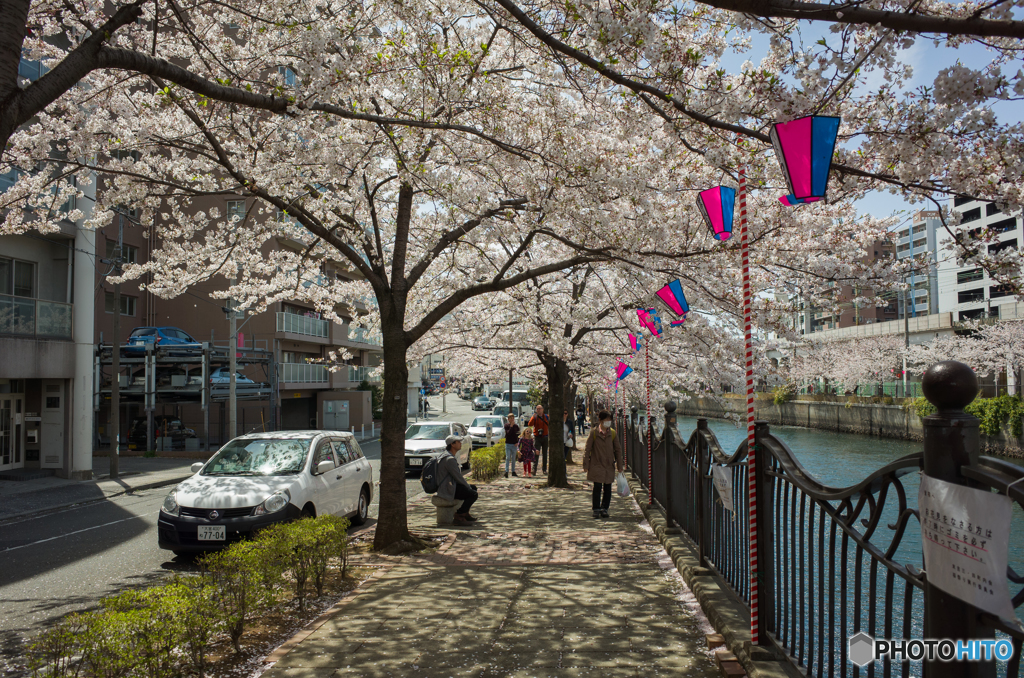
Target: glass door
(6, 432)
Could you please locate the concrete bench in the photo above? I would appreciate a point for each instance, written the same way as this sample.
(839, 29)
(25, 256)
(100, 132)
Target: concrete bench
(446, 509)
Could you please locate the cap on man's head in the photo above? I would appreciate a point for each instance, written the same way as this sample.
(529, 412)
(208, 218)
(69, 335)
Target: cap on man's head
(451, 440)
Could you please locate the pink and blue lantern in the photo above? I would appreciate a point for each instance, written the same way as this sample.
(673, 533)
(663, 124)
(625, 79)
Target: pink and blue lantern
(650, 319)
(635, 343)
(621, 372)
(672, 295)
(804, 148)
(717, 206)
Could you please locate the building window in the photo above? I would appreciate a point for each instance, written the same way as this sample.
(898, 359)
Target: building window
(999, 247)
(17, 278)
(971, 215)
(999, 291)
(288, 75)
(1003, 226)
(968, 296)
(129, 254)
(991, 209)
(127, 304)
(970, 315)
(961, 201)
(236, 208)
(969, 276)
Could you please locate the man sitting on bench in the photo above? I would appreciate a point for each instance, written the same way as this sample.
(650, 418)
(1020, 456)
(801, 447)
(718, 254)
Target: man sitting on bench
(451, 484)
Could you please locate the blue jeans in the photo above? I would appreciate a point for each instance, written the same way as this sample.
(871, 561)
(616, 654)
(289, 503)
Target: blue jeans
(510, 457)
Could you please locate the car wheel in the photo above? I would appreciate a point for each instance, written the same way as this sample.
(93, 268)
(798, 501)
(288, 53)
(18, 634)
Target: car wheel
(363, 509)
(308, 512)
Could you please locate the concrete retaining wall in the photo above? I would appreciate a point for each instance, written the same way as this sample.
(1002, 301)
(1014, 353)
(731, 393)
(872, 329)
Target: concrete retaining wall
(885, 421)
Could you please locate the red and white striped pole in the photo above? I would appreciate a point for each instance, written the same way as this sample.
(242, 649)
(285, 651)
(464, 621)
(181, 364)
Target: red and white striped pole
(647, 423)
(751, 469)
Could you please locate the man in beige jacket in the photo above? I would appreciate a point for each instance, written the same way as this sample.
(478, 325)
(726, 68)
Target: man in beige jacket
(602, 456)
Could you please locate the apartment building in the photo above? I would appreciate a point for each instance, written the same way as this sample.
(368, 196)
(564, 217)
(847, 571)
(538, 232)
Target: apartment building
(967, 291)
(847, 311)
(305, 393)
(920, 239)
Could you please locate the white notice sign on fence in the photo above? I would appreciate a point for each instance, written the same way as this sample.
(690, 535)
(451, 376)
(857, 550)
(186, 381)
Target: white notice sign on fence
(722, 477)
(965, 535)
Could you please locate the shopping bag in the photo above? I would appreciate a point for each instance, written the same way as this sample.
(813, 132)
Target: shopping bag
(621, 485)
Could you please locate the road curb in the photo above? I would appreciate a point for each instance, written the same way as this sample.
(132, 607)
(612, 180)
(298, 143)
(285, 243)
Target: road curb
(59, 507)
(720, 606)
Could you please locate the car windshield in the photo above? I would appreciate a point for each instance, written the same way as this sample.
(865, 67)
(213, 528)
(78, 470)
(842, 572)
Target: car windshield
(144, 332)
(259, 457)
(482, 422)
(427, 432)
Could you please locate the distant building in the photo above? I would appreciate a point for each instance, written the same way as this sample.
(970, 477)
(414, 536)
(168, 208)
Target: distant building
(920, 238)
(967, 291)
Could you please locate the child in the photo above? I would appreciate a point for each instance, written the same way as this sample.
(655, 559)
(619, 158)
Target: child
(528, 452)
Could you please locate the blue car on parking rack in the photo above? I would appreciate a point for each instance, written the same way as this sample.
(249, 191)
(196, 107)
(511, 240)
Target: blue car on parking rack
(162, 337)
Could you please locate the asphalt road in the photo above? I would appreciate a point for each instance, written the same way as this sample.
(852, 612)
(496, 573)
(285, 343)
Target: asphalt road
(67, 561)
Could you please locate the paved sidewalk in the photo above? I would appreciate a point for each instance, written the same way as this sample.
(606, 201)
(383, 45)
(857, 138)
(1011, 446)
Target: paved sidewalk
(31, 497)
(536, 588)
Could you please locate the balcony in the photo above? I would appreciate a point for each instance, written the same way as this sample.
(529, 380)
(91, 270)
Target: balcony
(301, 324)
(25, 317)
(362, 373)
(303, 373)
(360, 335)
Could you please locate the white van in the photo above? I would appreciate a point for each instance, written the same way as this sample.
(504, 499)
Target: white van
(519, 397)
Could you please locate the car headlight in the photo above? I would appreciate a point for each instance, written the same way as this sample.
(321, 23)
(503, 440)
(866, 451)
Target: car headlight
(273, 503)
(170, 505)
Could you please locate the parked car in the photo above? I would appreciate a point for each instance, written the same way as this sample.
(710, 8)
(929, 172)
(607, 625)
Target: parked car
(478, 429)
(494, 397)
(501, 410)
(222, 375)
(426, 440)
(481, 403)
(162, 337)
(163, 427)
(264, 478)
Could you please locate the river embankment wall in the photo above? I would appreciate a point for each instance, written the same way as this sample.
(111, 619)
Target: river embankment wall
(839, 415)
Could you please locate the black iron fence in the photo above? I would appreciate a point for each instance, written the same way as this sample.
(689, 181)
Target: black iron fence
(834, 560)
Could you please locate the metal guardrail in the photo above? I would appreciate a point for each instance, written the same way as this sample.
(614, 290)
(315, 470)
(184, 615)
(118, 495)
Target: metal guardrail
(301, 324)
(302, 373)
(360, 335)
(362, 373)
(21, 316)
(829, 570)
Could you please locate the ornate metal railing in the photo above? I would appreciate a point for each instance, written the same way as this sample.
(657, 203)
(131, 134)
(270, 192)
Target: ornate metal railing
(835, 561)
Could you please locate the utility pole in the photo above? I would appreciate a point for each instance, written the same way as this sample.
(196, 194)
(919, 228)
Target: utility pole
(115, 359)
(232, 364)
(510, 391)
(444, 395)
(906, 340)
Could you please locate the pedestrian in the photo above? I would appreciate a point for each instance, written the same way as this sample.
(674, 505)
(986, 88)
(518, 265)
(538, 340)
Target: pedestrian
(511, 443)
(581, 419)
(539, 423)
(528, 452)
(603, 454)
(451, 484)
(567, 437)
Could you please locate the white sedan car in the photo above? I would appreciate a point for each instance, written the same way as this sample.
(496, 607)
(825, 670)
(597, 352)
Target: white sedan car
(424, 440)
(264, 478)
(478, 430)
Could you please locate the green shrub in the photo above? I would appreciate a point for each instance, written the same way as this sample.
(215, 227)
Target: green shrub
(57, 651)
(783, 394)
(198, 620)
(919, 406)
(246, 578)
(486, 462)
(994, 413)
(305, 548)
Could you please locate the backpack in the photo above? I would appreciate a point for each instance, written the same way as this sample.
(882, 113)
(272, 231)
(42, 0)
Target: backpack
(429, 475)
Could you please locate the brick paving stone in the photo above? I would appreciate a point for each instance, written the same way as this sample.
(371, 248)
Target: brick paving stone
(537, 588)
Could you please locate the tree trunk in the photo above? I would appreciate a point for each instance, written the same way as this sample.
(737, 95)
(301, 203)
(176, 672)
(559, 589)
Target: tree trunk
(558, 375)
(392, 519)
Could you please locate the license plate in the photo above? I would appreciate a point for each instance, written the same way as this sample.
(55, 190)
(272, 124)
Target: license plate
(416, 462)
(212, 533)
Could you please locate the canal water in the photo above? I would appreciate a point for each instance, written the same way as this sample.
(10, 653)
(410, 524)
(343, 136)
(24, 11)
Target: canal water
(843, 459)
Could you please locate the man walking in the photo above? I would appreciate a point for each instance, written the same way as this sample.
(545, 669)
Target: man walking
(581, 419)
(539, 422)
(450, 483)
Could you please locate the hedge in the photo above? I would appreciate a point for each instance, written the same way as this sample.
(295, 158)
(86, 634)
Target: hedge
(487, 462)
(167, 631)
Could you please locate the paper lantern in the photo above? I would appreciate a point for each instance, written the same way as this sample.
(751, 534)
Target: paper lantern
(672, 295)
(650, 319)
(804, 148)
(621, 372)
(635, 343)
(717, 206)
